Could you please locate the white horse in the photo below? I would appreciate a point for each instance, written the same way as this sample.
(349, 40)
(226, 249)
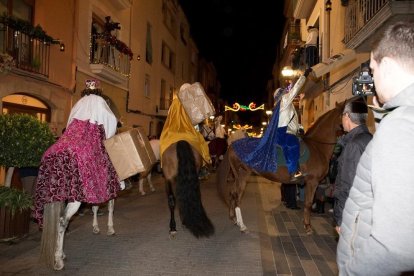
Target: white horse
(76, 168)
(55, 225)
(155, 145)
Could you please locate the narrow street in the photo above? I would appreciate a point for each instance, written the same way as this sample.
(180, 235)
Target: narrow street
(276, 243)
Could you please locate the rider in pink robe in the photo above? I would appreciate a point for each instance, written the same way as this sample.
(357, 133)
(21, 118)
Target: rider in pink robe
(77, 166)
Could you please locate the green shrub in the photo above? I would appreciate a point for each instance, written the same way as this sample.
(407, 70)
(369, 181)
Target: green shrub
(15, 200)
(23, 140)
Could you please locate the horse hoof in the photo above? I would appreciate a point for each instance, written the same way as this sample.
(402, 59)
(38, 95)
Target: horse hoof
(172, 235)
(143, 193)
(244, 230)
(308, 229)
(96, 230)
(110, 233)
(58, 265)
(152, 189)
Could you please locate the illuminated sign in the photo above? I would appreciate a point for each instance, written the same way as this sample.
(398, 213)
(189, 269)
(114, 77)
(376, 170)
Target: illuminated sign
(238, 107)
(238, 126)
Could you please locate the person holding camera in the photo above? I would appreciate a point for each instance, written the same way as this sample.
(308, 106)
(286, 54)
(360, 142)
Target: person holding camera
(354, 117)
(376, 236)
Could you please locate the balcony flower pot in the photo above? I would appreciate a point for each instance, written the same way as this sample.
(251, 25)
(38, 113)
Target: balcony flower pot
(15, 207)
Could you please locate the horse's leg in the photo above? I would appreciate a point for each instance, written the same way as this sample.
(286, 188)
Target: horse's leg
(242, 181)
(95, 226)
(310, 189)
(150, 182)
(141, 185)
(240, 176)
(111, 230)
(239, 218)
(171, 205)
(70, 210)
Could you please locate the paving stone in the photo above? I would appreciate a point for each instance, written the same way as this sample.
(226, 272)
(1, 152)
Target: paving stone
(276, 243)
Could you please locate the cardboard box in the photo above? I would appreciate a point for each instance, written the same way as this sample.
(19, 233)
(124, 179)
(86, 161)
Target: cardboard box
(129, 153)
(148, 147)
(195, 102)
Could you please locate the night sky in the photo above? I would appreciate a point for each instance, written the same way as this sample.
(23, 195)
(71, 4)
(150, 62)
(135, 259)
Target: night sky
(240, 39)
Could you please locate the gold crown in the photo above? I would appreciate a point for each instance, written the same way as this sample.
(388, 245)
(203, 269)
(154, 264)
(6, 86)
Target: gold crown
(92, 84)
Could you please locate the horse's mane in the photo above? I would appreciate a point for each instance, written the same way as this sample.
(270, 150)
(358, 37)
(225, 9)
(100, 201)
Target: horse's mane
(326, 120)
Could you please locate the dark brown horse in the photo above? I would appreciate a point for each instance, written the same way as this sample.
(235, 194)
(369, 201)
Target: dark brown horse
(319, 139)
(181, 164)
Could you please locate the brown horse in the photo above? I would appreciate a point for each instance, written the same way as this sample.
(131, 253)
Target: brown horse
(181, 164)
(319, 139)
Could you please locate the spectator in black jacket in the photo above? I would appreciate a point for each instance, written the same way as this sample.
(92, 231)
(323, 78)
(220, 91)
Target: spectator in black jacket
(354, 142)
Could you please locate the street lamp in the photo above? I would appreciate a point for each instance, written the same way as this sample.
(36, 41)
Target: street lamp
(268, 114)
(287, 71)
(328, 5)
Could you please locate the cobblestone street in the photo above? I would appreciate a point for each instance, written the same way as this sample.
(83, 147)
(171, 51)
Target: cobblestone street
(276, 243)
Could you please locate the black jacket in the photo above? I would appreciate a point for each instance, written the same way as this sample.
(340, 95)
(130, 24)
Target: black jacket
(354, 142)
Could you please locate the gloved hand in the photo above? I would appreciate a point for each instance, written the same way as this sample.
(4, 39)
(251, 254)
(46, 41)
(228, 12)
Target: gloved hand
(307, 72)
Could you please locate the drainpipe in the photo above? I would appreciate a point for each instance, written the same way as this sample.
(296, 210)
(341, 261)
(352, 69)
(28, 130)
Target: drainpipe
(75, 24)
(327, 48)
(327, 31)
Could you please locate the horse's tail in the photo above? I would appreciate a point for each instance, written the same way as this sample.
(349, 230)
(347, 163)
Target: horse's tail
(222, 176)
(191, 209)
(51, 216)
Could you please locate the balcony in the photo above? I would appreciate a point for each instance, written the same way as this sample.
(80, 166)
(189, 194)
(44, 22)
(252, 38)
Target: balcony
(110, 58)
(365, 18)
(121, 4)
(30, 54)
(303, 8)
(291, 43)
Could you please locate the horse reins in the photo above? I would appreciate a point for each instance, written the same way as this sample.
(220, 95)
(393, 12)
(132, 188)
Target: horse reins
(320, 142)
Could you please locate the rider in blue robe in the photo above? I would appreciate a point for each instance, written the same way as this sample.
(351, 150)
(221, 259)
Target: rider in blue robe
(261, 153)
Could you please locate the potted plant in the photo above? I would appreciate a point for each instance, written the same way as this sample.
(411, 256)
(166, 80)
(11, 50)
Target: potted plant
(15, 206)
(23, 140)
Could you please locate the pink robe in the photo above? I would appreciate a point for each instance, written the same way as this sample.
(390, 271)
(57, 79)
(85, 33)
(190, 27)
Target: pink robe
(76, 168)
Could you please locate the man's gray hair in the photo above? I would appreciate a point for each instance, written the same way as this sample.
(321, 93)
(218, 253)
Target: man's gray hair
(357, 112)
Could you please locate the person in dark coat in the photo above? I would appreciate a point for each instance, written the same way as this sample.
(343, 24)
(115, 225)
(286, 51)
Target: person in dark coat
(354, 142)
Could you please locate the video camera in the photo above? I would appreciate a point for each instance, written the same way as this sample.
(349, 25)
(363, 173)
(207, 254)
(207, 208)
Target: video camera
(363, 85)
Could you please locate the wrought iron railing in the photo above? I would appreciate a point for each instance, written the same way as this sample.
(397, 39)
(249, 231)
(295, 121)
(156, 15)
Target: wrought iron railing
(107, 53)
(358, 13)
(29, 54)
(306, 56)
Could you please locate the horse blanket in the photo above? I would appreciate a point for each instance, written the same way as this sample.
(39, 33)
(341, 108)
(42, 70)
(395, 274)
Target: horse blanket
(76, 168)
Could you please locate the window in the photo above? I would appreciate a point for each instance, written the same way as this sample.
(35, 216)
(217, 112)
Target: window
(163, 102)
(147, 88)
(148, 52)
(26, 104)
(167, 57)
(22, 9)
(97, 52)
(168, 17)
(183, 33)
